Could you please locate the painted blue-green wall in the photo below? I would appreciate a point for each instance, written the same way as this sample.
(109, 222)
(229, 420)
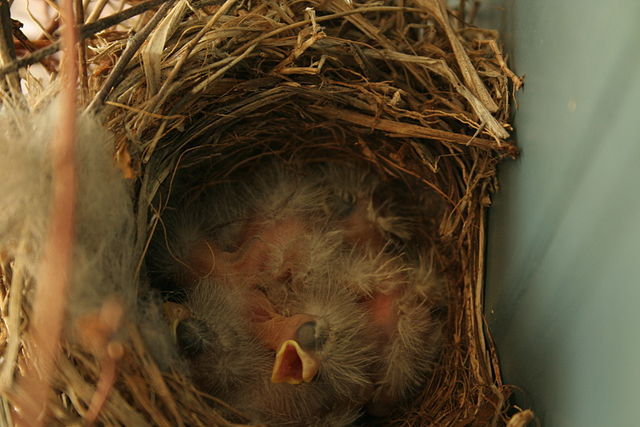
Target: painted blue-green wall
(563, 274)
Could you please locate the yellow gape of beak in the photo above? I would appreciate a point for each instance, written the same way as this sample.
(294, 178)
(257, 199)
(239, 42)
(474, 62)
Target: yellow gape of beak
(293, 365)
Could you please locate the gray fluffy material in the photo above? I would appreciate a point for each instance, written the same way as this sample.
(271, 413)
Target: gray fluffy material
(104, 257)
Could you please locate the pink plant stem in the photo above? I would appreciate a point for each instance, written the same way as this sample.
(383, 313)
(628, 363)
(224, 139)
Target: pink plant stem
(50, 297)
(105, 384)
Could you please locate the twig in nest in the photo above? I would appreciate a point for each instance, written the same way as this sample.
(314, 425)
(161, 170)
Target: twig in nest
(517, 81)
(7, 50)
(475, 7)
(411, 130)
(469, 73)
(117, 73)
(82, 52)
(48, 63)
(97, 10)
(462, 11)
(163, 92)
(85, 31)
(154, 376)
(13, 322)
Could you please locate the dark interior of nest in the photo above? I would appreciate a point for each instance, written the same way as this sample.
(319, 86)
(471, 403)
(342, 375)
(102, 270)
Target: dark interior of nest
(287, 221)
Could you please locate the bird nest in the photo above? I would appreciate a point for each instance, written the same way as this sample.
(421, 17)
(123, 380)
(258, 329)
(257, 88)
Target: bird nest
(410, 89)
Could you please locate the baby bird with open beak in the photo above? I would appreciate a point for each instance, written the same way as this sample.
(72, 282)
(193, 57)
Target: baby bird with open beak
(316, 276)
(303, 361)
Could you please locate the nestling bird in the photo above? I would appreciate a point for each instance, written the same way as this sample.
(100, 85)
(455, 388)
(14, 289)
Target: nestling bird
(290, 363)
(402, 289)
(329, 291)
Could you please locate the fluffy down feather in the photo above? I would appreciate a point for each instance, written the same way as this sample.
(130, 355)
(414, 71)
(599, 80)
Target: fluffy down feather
(104, 258)
(329, 241)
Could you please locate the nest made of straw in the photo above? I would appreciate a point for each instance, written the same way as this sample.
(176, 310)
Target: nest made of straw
(407, 87)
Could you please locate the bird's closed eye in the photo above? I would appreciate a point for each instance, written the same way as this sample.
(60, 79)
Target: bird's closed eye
(341, 205)
(311, 336)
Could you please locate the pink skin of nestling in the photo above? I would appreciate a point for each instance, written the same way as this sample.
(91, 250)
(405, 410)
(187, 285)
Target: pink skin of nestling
(251, 264)
(308, 279)
(250, 261)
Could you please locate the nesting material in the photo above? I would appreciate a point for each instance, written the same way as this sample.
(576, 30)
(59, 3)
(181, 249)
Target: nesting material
(208, 92)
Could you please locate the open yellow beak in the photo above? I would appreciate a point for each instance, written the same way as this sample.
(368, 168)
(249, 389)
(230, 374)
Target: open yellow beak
(293, 365)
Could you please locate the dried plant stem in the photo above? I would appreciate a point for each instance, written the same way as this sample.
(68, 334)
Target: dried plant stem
(34, 58)
(164, 90)
(48, 63)
(13, 322)
(475, 7)
(438, 66)
(469, 73)
(462, 10)
(85, 31)
(117, 405)
(105, 384)
(117, 73)
(517, 81)
(154, 376)
(333, 16)
(7, 50)
(97, 10)
(82, 52)
(53, 279)
(411, 130)
(478, 298)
